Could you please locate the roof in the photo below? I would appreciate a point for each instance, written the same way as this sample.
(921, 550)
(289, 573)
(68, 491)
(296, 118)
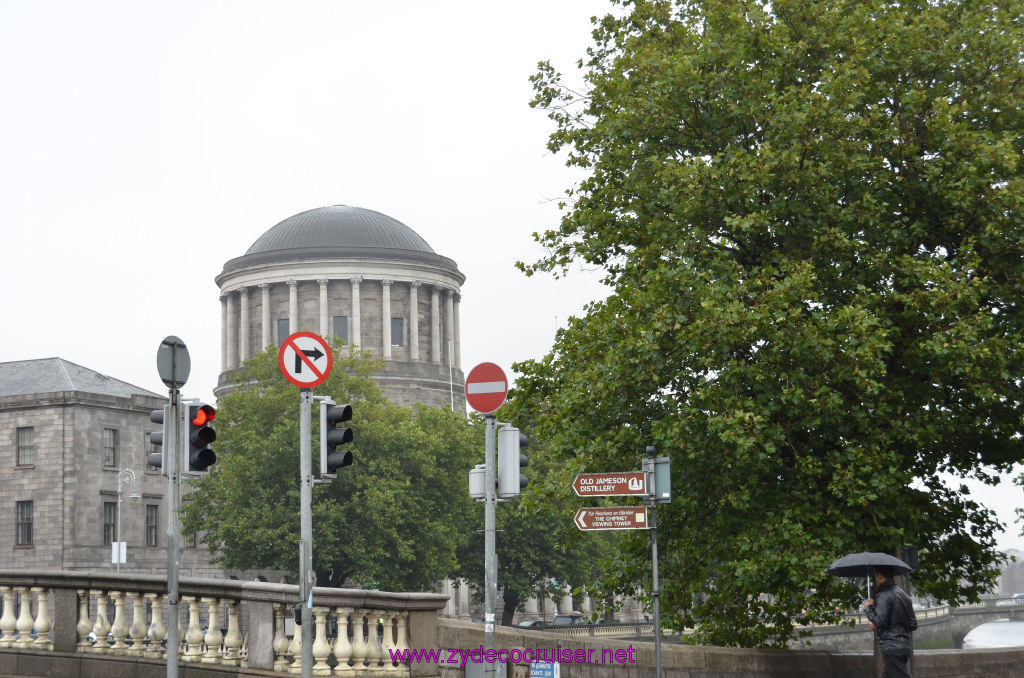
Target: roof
(54, 375)
(339, 226)
(339, 232)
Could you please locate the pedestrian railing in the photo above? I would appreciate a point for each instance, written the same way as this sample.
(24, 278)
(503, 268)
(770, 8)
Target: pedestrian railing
(224, 622)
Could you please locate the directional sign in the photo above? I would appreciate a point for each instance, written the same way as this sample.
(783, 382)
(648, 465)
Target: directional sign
(612, 518)
(305, 359)
(611, 484)
(486, 388)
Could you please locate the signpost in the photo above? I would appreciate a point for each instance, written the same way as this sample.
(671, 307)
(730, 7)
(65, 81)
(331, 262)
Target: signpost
(305, 360)
(486, 388)
(612, 518)
(626, 484)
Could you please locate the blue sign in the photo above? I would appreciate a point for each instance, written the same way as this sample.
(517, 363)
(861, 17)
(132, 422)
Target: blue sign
(545, 670)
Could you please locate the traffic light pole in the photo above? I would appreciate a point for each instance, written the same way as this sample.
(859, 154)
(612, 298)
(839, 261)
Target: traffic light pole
(172, 453)
(306, 526)
(490, 559)
(651, 500)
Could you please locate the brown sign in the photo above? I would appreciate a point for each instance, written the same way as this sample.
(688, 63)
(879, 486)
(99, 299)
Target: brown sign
(623, 484)
(612, 518)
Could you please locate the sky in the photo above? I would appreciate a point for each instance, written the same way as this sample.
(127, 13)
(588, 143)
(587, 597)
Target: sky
(143, 145)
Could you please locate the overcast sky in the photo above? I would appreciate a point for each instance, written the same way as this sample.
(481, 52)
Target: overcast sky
(143, 145)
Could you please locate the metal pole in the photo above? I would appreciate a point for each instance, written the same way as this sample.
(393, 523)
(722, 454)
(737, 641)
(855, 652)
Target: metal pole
(655, 592)
(490, 559)
(172, 454)
(306, 526)
(118, 536)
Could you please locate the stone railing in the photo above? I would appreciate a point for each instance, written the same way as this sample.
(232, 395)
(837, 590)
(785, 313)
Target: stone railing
(220, 622)
(626, 630)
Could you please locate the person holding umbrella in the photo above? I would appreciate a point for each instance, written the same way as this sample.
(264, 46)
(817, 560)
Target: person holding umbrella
(892, 617)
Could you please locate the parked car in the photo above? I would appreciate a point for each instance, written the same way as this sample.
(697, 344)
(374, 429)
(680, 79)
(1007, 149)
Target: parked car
(531, 624)
(568, 619)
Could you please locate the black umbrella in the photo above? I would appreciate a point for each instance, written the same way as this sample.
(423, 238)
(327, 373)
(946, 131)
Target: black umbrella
(860, 564)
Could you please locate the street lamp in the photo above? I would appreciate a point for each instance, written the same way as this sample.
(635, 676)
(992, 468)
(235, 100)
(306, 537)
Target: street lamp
(123, 476)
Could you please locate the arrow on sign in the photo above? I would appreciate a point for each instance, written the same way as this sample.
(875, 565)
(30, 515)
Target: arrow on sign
(612, 518)
(315, 354)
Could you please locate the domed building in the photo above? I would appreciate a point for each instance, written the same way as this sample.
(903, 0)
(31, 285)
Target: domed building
(357, 274)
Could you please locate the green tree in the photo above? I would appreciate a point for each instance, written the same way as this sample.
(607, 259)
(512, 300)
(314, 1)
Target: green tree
(810, 216)
(392, 520)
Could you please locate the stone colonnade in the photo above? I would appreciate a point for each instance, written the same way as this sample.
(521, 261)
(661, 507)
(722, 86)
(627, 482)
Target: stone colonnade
(365, 312)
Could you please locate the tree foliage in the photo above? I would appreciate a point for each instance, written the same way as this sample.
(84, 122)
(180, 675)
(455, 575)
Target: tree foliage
(392, 520)
(810, 215)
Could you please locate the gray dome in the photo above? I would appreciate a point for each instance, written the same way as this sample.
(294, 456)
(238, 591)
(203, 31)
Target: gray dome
(339, 226)
(339, 232)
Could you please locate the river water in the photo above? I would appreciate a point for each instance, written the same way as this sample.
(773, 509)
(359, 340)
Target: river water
(1002, 633)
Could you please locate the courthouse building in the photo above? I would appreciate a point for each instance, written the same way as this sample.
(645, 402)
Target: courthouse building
(359, 275)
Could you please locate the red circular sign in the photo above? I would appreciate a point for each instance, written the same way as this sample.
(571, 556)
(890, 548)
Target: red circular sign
(486, 388)
(305, 359)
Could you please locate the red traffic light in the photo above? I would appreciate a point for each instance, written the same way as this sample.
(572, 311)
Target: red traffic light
(204, 415)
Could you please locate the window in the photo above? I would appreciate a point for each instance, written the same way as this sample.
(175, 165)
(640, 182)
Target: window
(282, 330)
(396, 332)
(24, 523)
(151, 524)
(109, 522)
(339, 326)
(26, 446)
(110, 447)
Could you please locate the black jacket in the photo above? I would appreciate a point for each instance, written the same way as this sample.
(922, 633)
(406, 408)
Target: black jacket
(893, 617)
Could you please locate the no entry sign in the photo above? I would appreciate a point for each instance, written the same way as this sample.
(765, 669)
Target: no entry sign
(305, 359)
(486, 388)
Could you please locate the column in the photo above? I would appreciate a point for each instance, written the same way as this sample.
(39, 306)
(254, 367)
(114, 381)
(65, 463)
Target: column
(267, 332)
(293, 308)
(232, 333)
(386, 316)
(414, 321)
(353, 325)
(449, 349)
(458, 334)
(243, 324)
(325, 319)
(435, 325)
(223, 333)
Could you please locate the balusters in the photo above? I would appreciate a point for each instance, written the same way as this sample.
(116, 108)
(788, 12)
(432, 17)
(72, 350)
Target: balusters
(388, 643)
(359, 647)
(374, 652)
(194, 634)
(24, 623)
(84, 626)
(156, 632)
(119, 629)
(342, 647)
(102, 626)
(8, 622)
(295, 650)
(401, 645)
(321, 649)
(137, 631)
(213, 637)
(233, 640)
(280, 639)
(42, 623)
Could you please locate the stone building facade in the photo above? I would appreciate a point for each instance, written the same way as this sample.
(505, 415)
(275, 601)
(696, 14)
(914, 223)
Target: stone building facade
(69, 436)
(361, 276)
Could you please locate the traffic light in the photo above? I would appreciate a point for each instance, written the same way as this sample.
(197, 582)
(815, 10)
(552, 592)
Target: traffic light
(331, 458)
(157, 438)
(510, 480)
(200, 436)
(477, 482)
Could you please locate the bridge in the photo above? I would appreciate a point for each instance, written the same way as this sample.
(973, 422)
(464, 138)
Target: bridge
(99, 625)
(939, 626)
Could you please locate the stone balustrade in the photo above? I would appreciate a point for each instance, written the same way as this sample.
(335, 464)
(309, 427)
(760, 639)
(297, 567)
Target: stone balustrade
(220, 622)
